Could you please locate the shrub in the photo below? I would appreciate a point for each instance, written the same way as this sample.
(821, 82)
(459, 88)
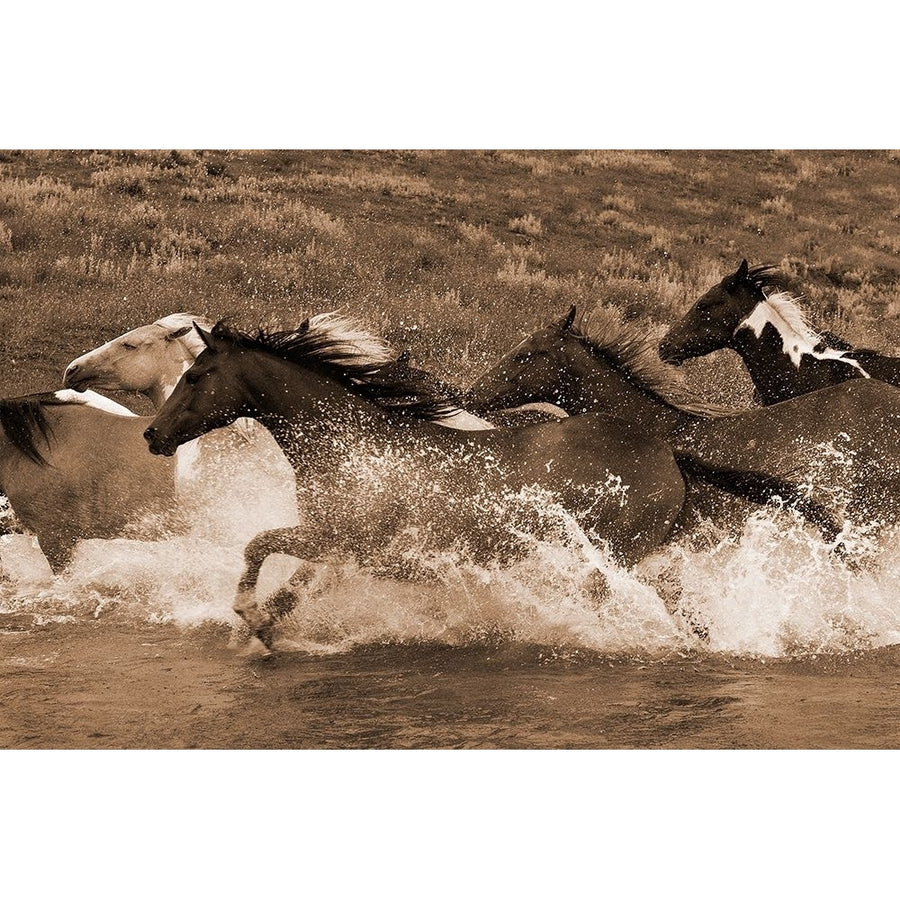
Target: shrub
(527, 224)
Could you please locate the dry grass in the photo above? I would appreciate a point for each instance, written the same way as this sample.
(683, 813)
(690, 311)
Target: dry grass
(455, 254)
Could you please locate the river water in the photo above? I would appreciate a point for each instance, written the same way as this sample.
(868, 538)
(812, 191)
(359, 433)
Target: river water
(763, 638)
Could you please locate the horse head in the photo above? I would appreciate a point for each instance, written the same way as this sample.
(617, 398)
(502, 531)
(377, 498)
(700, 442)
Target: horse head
(209, 395)
(149, 359)
(711, 322)
(533, 371)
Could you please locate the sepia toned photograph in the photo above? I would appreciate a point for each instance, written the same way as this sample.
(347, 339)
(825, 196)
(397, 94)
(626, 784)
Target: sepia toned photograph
(498, 449)
(483, 485)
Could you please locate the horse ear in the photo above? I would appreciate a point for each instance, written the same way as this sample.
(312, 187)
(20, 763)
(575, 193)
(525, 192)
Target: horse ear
(206, 337)
(742, 276)
(569, 319)
(179, 332)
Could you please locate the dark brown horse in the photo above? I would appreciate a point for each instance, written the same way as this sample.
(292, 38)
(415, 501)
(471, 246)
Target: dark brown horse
(753, 313)
(372, 465)
(840, 444)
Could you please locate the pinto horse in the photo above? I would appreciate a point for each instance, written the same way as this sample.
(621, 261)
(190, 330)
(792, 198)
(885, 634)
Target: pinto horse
(74, 466)
(842, 440)
(753, 313)
(373, 465)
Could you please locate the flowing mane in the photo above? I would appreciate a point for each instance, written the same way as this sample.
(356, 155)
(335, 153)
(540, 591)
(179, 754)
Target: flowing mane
(23, 420)
(631, 353)
(340, 348)
(786, 306)
(783, 311)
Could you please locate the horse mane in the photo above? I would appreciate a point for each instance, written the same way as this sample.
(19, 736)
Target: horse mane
(631, 353)
(23, 419)
(787, 304)
(342, 349)
(768, 278)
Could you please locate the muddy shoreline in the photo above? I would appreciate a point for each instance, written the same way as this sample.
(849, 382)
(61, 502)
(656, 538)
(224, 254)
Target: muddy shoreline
(106, 684)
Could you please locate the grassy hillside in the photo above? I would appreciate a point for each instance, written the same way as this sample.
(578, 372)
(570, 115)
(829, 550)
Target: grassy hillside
(454, 254)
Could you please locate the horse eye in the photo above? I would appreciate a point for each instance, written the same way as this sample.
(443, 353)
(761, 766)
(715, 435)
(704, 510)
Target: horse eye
(130, 346)
(192, 377)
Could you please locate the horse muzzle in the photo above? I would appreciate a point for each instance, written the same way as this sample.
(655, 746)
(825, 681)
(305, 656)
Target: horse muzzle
(158, 445)
(76, 378)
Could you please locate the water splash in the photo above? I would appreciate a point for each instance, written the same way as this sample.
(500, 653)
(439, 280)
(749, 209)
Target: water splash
(773, 589)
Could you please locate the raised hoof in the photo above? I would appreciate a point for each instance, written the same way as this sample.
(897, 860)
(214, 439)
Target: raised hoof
(280, 604)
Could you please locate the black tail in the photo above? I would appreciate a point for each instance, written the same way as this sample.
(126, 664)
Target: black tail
(22, 419)
(760, 487)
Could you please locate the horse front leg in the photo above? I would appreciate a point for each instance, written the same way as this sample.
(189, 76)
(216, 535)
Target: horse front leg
(293, 541)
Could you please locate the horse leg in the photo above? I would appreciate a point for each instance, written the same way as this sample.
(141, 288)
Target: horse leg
(58, 551)
(290, 541)
(283, 601)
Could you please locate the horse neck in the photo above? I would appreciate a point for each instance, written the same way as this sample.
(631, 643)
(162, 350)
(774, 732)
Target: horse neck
(594, 385)
(772, 351)
(326, 412)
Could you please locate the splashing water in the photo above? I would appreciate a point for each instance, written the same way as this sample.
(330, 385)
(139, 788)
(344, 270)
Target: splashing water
(774, 589)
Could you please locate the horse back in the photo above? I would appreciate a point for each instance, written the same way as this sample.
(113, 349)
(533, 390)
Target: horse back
(863, 413)
(878, 367)
(97, 478)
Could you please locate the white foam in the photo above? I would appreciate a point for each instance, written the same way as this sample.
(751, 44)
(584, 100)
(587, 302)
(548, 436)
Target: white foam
(774, 589)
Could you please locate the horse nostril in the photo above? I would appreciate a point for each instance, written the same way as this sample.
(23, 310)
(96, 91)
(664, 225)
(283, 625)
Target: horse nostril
(149, 434)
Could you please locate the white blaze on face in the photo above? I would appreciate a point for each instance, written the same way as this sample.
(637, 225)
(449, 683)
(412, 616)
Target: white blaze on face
(94, 400)
(797, 338)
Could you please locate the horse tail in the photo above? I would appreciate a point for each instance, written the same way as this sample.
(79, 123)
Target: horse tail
(22, 420)
(760, 487)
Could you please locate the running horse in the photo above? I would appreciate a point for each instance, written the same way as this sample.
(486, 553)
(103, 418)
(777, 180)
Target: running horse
(839, 445)
(74, 466)
(374, 466)
(239, 471)
(753, 313)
